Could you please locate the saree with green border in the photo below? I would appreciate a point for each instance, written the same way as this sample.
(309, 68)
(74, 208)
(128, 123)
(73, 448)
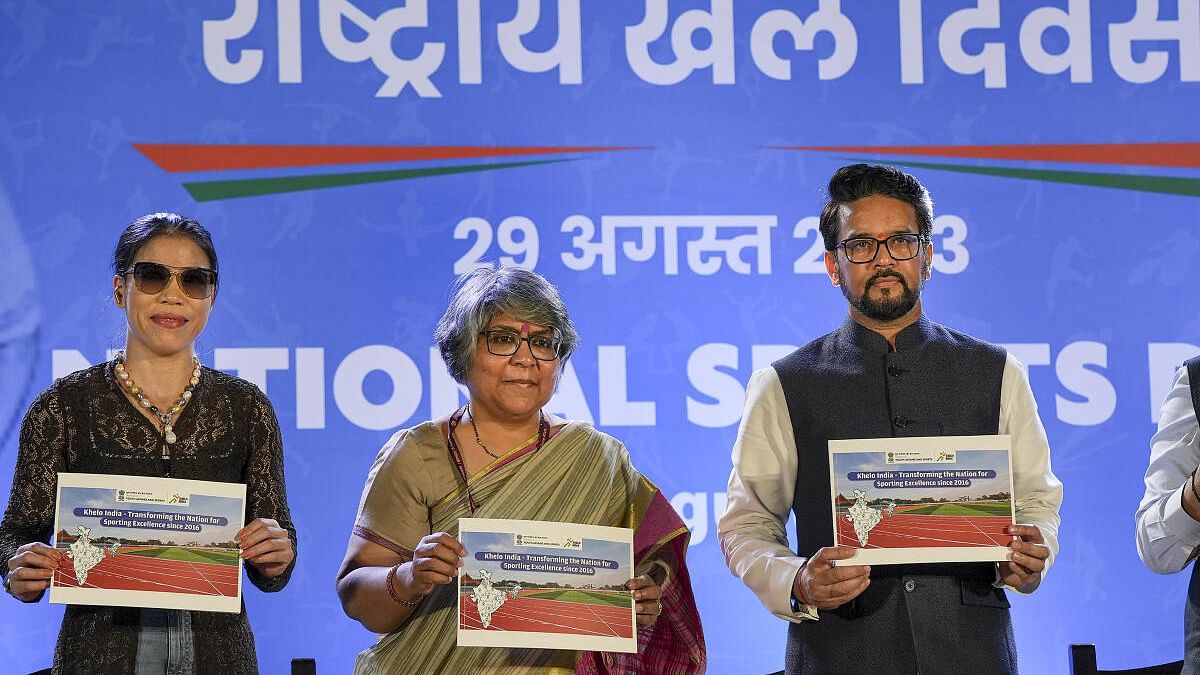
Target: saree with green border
(580, 475)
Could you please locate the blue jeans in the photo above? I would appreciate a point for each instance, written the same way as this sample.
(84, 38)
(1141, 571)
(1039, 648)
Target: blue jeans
(165, 643)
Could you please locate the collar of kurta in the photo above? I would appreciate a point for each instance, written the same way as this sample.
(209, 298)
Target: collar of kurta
(914, 335)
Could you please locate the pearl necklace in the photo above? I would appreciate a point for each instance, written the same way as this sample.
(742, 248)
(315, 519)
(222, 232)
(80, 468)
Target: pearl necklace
(164, 418)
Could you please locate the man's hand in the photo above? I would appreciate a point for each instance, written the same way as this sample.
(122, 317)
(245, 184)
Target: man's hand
(822, 584)
(1024, 571)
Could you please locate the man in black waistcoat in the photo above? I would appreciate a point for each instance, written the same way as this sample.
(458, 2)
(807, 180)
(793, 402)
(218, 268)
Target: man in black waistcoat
(887, 371)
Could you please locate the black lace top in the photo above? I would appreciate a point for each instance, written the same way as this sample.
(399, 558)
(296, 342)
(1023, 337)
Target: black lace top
(84, 423)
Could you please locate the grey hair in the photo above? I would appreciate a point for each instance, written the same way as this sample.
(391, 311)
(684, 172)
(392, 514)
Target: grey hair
(479, 295)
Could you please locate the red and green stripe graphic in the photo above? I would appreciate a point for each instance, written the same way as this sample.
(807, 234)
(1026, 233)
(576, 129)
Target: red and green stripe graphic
(1159, 155)
(433, 161)
(189, 158)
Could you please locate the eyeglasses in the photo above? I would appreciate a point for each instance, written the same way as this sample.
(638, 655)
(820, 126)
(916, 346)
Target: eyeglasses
(151, 278)
(507, 343)
(864, 249)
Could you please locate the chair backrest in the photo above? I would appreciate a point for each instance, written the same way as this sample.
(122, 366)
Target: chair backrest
(1083, 662)
(1083, 659)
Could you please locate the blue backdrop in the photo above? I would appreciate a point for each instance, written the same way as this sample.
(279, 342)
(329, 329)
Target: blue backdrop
(663, 163)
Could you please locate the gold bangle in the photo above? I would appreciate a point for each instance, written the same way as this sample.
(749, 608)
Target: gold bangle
(392, 590)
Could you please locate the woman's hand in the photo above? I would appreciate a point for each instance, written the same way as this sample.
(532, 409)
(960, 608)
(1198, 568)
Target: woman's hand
(267, 546)
(435, 562)
(648, 596)
(30, 570)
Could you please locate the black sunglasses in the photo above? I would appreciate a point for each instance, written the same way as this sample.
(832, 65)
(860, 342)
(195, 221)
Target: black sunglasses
(151, 278)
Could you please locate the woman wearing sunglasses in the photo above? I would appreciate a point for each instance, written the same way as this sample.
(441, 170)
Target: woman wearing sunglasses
(152, 411)
(506, 335)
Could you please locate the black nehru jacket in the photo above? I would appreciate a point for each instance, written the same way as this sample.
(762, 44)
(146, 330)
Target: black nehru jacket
(850, 384)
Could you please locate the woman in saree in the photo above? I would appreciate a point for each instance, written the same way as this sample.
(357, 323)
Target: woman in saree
(505, 336)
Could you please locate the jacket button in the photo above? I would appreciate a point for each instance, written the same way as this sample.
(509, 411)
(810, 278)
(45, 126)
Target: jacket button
(893, 371)
(910, 585)
(900, 421)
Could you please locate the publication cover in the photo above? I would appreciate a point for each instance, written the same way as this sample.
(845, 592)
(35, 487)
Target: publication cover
(546, 585)
(921, 500)
(138, 541)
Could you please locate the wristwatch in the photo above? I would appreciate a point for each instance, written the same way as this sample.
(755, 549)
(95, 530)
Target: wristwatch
(7, 588)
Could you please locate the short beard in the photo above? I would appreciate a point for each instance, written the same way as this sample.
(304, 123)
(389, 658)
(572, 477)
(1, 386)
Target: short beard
(888, 309)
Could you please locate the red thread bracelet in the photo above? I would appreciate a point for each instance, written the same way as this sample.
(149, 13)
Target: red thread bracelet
(802, 595)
